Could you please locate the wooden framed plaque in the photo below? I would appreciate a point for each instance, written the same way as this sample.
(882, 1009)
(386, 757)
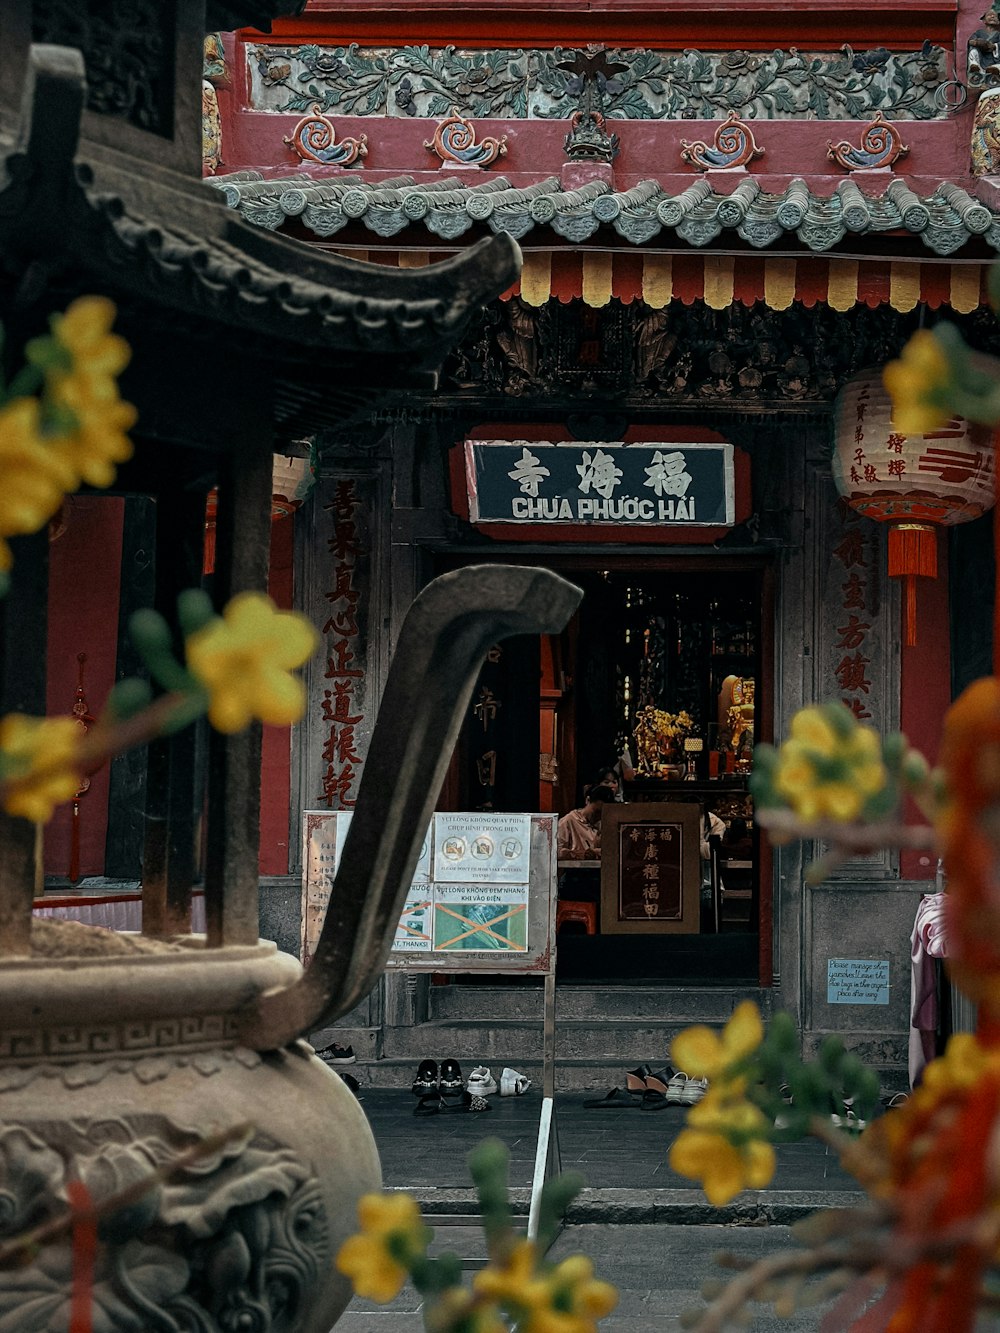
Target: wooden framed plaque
(651, 868)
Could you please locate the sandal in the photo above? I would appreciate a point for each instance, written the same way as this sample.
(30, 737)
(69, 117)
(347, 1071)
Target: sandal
(426, 1079)
(429, 1104)
(451, 1082)
(613, 1100)
(635, 1079)
(469, 1101)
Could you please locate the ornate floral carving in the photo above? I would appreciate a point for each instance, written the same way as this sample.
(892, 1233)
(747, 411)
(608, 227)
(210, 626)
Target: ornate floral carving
(128, 52)
(654, 85)
(881, 145)
(733, 146)
(235, 1241)
(314, 139)
(455, 141)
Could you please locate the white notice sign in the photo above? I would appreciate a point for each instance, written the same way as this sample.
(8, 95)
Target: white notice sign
(481, 848)
(481, 917)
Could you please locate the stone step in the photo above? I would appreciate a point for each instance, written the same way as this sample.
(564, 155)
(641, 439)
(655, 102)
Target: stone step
(674, 1004)
(622, 1041)
(571, 1075)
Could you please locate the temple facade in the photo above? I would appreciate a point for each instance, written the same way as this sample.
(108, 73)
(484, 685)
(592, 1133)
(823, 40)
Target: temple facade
(729, 218)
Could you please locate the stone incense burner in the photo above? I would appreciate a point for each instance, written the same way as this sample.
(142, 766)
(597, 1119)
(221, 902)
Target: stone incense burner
(120, 1054)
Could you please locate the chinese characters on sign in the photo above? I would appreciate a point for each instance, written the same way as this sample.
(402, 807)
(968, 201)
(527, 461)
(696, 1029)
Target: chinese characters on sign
(651, 870)
(854, 555)
(342, 712)
(645, 484)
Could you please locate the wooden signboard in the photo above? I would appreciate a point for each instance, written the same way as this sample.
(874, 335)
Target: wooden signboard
(651, 869)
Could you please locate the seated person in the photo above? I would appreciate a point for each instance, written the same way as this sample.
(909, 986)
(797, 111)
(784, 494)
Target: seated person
(737, 841)
(604, 777)
(579, 833)
(711, 826)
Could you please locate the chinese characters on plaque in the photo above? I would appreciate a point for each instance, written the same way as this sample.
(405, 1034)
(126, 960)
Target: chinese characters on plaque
(648, 485)
(651, 868)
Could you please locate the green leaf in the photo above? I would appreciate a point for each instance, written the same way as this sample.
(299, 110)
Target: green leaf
(194, 611)
(128, 697)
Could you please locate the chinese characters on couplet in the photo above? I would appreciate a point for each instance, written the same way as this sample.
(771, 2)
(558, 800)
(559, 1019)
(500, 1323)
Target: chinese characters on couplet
(341, 710)
(852, 552)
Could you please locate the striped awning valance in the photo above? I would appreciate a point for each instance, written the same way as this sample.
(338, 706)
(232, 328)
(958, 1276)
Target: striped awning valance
(722, 280)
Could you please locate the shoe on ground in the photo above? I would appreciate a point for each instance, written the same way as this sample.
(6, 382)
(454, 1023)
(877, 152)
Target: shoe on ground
(513, 1084)
(337, 1055)
(426, 1079)
(481, 1082)
(695, 1090)
(451, 1082)
(847, 1118)
(351, 1082)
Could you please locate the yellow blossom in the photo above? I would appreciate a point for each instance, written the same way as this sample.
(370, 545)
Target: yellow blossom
(33, 477)
(245, 662)
(567, 1299)
(703, 1053)
(511, 1280)
(99, 439)
(459, 1307)
(39, 764)
(830, 765)
(84, 331)
(725, 1147)
(917, 383)
(391, 1230)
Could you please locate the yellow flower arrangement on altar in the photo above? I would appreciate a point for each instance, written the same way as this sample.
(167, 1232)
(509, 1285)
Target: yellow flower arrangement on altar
(657, 735)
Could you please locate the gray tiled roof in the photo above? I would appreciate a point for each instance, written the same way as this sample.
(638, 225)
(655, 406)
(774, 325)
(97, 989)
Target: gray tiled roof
(944, 220)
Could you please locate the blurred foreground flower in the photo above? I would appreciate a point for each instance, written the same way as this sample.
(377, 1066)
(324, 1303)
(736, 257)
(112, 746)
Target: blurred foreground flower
(245, 662)
(725, 1145)
(39, 762)
(34, 477)
(392, 1235)
(918, 385)
(517, 1289)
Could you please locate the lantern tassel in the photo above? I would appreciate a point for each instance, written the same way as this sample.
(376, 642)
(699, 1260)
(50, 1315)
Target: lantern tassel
(912, 555)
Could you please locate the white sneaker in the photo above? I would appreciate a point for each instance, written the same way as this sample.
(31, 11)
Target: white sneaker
(481, 1082)
(513, 1084)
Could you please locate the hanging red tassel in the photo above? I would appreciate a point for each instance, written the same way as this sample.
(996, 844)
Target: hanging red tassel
(912, 555)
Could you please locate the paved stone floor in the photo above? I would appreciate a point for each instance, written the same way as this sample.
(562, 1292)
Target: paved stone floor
(658, 1270)
(622, 1154)
(617, 1150)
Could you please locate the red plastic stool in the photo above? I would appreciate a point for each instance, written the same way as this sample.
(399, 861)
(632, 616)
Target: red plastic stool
(585, 914)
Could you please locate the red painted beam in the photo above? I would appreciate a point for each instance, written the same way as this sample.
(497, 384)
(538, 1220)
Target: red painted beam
(758, 24)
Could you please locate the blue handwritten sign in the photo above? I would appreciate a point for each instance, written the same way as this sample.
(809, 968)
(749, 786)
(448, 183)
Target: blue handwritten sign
(857, 981)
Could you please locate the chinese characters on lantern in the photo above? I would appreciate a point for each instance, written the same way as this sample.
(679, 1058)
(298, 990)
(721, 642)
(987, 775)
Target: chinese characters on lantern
(342, 711)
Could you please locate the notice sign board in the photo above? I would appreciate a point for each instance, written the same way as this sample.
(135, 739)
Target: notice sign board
(482, 898)
(857, 981)
(650, 868)
(645, 485)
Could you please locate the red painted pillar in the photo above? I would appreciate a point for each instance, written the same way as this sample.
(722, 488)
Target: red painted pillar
(275, 790)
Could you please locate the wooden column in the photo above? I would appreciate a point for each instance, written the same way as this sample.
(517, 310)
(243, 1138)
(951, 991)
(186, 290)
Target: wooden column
(23, 617)
(168, 863)
(243, 538)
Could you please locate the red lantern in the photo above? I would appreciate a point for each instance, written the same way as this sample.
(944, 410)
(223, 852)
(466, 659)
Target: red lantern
(914, 482)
